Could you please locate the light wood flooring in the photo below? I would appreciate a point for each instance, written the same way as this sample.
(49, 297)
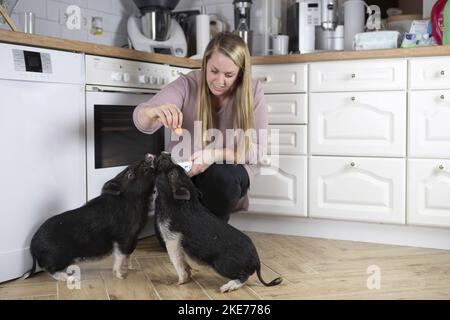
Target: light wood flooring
(311, 269)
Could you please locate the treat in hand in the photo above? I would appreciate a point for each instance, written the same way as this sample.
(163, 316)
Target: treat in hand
(178, 131)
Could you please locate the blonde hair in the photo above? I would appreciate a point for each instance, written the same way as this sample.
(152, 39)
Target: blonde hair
(233, 47)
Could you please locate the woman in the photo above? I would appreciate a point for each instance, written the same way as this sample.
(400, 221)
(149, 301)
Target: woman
(221, 96)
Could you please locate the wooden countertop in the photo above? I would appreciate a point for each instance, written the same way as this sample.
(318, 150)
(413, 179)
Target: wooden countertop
(115, 52)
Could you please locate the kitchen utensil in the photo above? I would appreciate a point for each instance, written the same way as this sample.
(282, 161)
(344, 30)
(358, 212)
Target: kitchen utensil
(7, 18)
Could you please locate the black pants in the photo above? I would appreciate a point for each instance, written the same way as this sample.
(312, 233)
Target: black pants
(221, 186)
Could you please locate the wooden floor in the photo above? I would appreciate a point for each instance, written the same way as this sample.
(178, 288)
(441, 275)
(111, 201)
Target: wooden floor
(311, 268)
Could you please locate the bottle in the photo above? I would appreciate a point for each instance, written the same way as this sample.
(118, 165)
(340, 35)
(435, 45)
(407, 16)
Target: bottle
(437, 20)
(446, 39)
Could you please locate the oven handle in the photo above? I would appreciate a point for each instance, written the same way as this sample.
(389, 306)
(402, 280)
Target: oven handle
(119, 89)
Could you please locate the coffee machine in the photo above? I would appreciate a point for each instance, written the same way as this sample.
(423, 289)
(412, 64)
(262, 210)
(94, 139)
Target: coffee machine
(242, 21)
(303, 18)
(155, 30)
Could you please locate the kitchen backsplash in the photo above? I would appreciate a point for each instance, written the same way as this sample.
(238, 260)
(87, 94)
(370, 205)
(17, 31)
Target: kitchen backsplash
(50, 18)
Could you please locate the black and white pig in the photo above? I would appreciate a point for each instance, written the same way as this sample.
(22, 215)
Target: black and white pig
(188, 228)
(109, 223)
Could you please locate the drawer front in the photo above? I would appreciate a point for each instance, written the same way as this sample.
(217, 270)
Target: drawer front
(429, 119)
(363, 189)
(428, 192)
(287, 108)
(287, 139)
(429, 73)
(360, 75)
(281, 78)
(280, 187)
(358, 123)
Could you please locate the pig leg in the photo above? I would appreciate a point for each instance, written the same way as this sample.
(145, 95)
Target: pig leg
(177, 257)
(119, 259)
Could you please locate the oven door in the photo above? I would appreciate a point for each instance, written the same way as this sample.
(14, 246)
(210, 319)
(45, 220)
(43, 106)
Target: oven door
(112, 140)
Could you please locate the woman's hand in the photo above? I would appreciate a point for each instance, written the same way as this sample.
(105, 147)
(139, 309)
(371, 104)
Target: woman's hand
(201, 160)
(169, 115)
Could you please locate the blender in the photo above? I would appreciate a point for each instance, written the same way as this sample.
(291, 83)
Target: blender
(155, 30)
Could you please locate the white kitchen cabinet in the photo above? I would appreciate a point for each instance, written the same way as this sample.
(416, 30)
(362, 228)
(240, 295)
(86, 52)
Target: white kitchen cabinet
(362, 75)
(429, 119)
(281, 78)
(429, 73)
(280, 187)
(287, 108)
(358, 123)
(360, 189)
(429, 192)
(288, 139)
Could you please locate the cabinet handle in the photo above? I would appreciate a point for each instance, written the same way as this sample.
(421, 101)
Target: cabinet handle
(264, 79)
(354, 98)
(266, 161)
(354, 76)
(352, 164)
(441, 167)
(442, 73)
(442, 97)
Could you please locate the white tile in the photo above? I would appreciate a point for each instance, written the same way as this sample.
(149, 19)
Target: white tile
(80, 35)
(80, 3)
(101, 5)
(123, 7)
(48, 28)
(114, 24)
(36, 6)
(53, 10)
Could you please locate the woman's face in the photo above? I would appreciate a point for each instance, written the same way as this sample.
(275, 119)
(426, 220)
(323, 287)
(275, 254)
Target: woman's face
(221, 74)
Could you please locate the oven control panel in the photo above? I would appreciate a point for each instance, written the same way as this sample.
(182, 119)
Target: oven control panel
(126, 73)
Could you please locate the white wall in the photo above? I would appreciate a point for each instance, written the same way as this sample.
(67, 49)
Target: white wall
(50, 19)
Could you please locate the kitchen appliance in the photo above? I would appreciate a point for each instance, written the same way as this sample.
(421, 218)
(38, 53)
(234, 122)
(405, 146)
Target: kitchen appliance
(114, 87)
(42, 125)
(303, 18)
(242, 21)
(155, 30)
(186, 20)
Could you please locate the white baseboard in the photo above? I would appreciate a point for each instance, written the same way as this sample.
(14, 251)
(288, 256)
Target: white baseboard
(404, 235)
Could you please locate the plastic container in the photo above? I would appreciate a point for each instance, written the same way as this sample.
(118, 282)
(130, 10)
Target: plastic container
(446, 38)
(437, 20)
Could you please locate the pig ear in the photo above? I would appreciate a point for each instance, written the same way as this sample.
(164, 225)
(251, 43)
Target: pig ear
(111, 187)
(182, 194)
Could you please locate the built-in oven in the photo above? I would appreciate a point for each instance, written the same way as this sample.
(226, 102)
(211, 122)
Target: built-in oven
(114, 87)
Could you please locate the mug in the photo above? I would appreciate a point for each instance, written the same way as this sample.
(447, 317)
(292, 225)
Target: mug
(280, 44)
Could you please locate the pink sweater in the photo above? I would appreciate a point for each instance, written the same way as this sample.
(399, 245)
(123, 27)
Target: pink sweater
(183, 92)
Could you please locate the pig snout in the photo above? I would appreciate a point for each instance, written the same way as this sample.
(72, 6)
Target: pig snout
(164, 161)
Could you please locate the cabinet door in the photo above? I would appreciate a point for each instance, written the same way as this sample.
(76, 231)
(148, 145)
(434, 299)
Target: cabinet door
(429, 73)
(386, 74)
(429, 192)
(281, 78)
(287, 139)
(364, 123)
(287, 108)
(429, 119)
(280, 187)
(362, 189)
